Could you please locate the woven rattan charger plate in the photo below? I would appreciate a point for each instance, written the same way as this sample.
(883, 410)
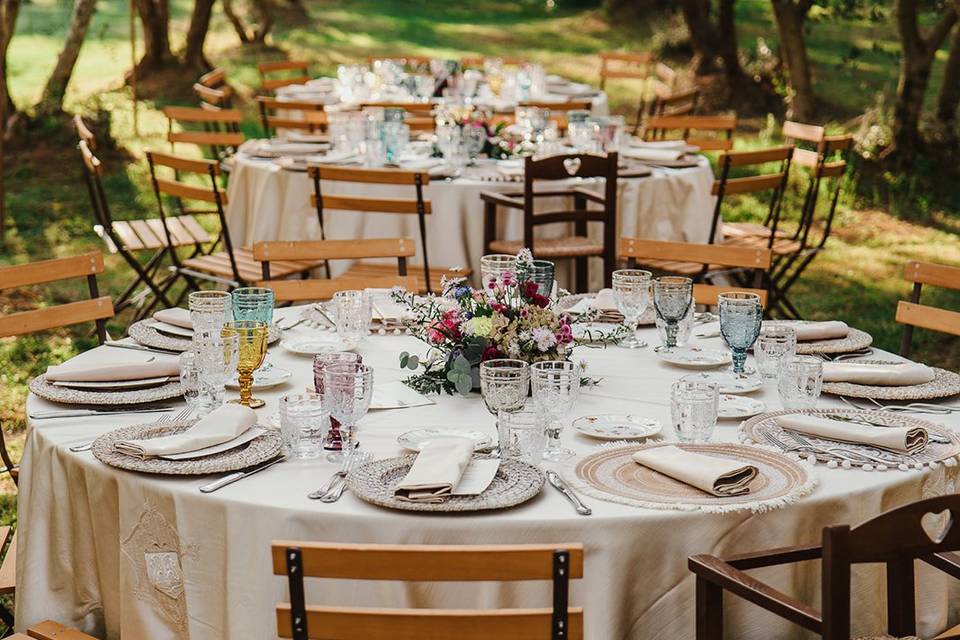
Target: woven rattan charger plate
(855, 340)
(515, 483)
(260, 449)
(150, 337)
(944, 384)
(611, 474)
(47, 391)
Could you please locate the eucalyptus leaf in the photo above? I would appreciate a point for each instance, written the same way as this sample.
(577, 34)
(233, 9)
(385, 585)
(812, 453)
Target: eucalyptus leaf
(464, 384)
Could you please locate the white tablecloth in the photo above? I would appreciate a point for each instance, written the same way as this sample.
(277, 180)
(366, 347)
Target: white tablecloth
(270, 203)
(88, 533)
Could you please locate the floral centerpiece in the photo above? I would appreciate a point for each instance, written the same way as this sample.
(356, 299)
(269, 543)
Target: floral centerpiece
(500, 143)
(509, 318)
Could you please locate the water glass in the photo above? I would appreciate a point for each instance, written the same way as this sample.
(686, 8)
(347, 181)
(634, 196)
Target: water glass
(475, 139)
(347, 391)
(209, 310)
(740, 317)
(374, 152)
(800, 381)
(521, 435)
(252, 338)
(303, 423)
(777, 342)
(672, 300)
(504, 384)
(332, 441)
(253, 303)
(354, 312)
(216, 357)
(542, 273)
(631, 291)
(494, 265)
(693, 409)
(396, 138)
(451, 144)
(190, 383)
(556, 387)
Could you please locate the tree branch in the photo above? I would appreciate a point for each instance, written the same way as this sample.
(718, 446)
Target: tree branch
(940, 31)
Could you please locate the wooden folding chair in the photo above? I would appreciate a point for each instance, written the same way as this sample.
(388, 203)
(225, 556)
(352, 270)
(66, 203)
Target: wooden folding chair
(97, 309)
(213, 91)
(669, 102)
(913, 314)
(895, 539)
(429, 277)
(578, 246)
(218, 131)
(558, 563)
(626, 66)
(657, 128)
(700, 261)
(290, 72)
(327, 250)
(50, 630)
(297, 114)
(231, 266)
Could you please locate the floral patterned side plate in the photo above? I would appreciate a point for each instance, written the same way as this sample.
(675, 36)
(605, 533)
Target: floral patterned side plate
(617, 427)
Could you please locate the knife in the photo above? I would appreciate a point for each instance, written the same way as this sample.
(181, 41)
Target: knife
(239, 475)
(554, 478)
(78, 413)
(138, 347)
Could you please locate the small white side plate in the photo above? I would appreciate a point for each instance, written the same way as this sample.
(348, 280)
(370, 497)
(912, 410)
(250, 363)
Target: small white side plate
(315, 345)
(694, 357)
(109, 385)
(415, 440)
(264, 378)
(617, 427)
(170, 329)
(729, 383)
(732, 406)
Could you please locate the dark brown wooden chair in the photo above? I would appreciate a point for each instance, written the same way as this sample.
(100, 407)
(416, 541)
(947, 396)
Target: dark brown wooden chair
(558, 563)
(913, 314)
(895, 538)
(578, 246)
(297, 114)
(213, 91)
(290, 72)
(328, 250)
(428, 276)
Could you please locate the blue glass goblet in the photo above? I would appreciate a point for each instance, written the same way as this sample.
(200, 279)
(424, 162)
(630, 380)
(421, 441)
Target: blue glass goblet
(740, 316)
(253, 303)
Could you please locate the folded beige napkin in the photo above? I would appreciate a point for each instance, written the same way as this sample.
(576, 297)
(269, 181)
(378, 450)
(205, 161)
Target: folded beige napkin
(176, 316)
(905, 439)
(113, 371)
(605, 301)
(653, 155)
(885, 375)
(675, 145)
(221, 425)
(820, 330)
(717, 476)
(436, 471)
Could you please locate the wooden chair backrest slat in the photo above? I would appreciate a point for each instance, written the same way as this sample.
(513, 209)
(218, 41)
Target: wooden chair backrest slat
(225, 138)
(726, 256)
(307, 122)
(378, 205)
(639, 57)
(84, 132)
(711, 144)
(276, 83)
(760, 156)
(307, 250)
(413, 107)
(701, 123)
(927, 317)
(189, 191)
(214, 78)
(938, 275)
(837, 143)
(750, 184)
(807, 132)
(399, 624)
(833, 169)
(43, 271)
(61, 315)
(416, 123)
(369, 176)
(299, 290)
(899, 533)
(90, 161)
(214, 97)
(196, 114)
(806, 158)
(708, 294)
(428, 563)
(269, 102)
(561, 107)
(50, 630)
(195, 165)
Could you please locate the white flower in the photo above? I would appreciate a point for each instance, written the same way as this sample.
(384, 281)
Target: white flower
(544, 338)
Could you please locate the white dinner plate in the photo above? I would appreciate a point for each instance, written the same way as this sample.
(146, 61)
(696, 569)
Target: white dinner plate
(729, 383)
(264, 378)
(315, 345)
(417, 439)
(732, 406)
(241, 439)
(707, 330)
(170, 329)
(107, 385)
(617, 427)
(694, 357)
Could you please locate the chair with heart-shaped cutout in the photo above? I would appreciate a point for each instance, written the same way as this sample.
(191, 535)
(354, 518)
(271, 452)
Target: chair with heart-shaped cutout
(923, 530)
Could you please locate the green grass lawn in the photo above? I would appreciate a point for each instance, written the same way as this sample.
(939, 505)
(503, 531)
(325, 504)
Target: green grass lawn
(857, 278)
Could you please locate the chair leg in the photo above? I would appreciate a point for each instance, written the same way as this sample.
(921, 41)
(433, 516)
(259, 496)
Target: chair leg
(581, 276)
(709, 610)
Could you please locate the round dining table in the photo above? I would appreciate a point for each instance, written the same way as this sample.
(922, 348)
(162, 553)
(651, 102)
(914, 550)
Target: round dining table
(119, 553)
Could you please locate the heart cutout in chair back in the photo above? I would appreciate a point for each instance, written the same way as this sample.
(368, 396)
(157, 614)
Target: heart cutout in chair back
(937, 525)
(572, 165)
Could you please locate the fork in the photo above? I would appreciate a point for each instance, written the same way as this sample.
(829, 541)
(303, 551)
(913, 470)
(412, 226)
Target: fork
(839, 452)
(341, 473)
(165, 419)
(783, 446)
(357, 458)
(916, 407)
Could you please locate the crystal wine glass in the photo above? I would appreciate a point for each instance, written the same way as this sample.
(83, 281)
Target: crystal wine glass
(493, 265)
(217, 357)
(347, 391)
(672, 297)
(253, 349)
(209, 310)
(556, 387)
(332, 441)
(740, 317)
(631, 291)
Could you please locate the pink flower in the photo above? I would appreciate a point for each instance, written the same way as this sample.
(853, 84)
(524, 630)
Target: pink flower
(544, 338)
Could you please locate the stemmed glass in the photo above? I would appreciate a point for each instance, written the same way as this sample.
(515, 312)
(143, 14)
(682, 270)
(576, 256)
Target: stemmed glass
(253, 303)
(504, 384)
(493, 265)
(332, 441)
(541, 272)
(672, 297)
(347, 391)
(209, 310)
(190, 382)
(217, 357)
(253, 349)
(354, 312)
(556, 387)
(631, 291)
(740, 317)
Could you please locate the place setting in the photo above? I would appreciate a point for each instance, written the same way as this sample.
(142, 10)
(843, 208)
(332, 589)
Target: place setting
(111, 382)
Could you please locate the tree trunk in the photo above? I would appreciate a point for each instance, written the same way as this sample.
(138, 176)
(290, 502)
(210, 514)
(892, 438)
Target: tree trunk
(949, 98)
(193, 57)
(255, 35)
(727, 45)
(8, 19)
(235, 20)
(790, 16)
(916, 60)
(155, 17)
(51, 101)
(696, 14)
(266, 20)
